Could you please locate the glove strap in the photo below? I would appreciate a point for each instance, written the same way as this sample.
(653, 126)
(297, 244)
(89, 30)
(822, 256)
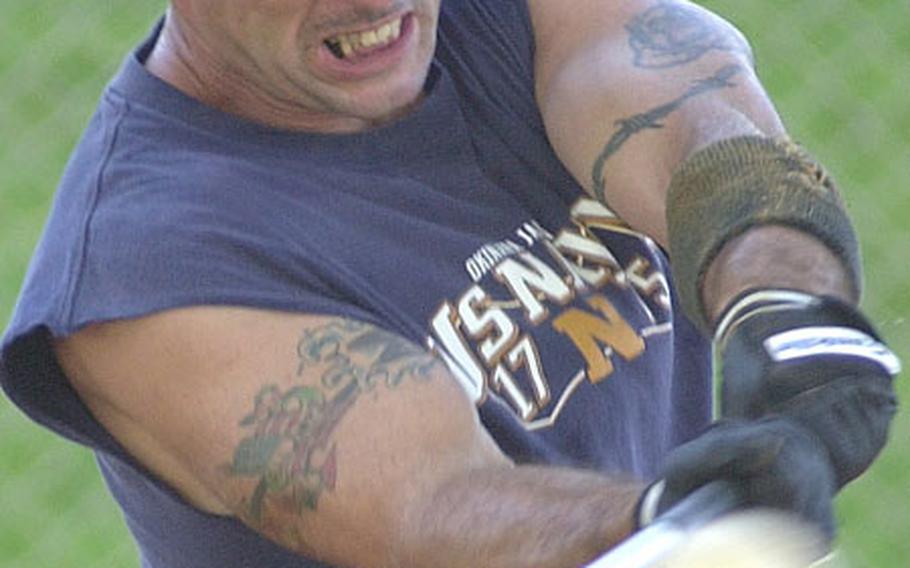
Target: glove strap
(808, 342)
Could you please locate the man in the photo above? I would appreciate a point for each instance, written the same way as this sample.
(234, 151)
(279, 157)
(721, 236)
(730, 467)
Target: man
(379, 283)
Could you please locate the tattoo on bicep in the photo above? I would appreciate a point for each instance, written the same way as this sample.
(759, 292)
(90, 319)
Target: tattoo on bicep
(627, 128)
(672, 34)
(288, 447)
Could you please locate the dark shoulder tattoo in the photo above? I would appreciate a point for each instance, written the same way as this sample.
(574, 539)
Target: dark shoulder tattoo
(672, 34)
(652, 119)
(288, 445)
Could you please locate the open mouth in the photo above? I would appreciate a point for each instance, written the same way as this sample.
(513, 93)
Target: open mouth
(360, 44)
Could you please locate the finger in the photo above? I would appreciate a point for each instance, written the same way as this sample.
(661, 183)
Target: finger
(728, 450)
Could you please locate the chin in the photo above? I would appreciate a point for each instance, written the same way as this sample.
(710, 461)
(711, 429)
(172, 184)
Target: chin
(387, 104)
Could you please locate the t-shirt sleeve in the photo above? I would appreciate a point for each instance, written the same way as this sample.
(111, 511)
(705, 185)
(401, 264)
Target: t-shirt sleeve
(490, 46)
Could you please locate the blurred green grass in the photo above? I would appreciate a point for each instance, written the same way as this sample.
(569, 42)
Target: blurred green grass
(837, 70)
(55, 57)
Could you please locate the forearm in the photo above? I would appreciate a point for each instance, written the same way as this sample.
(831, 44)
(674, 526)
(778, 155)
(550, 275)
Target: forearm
(774, 257)
(640, 90)
(518, 517)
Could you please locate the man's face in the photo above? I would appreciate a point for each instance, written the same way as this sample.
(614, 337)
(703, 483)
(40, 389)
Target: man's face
(335, 59)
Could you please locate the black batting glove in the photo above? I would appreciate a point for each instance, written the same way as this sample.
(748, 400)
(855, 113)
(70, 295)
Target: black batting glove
(772, 462)
(815, 360)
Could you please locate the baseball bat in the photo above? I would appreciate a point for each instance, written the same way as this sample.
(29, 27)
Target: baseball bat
(669, 530)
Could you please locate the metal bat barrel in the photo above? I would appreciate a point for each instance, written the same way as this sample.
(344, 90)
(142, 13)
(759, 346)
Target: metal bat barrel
(670, 529)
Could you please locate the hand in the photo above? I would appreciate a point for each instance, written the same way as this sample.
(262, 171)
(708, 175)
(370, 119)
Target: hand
(772, 463)
(817, 361)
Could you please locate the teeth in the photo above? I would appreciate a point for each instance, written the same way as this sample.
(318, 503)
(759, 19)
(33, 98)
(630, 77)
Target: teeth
(384, 33)
(349, 44)
(368, 39)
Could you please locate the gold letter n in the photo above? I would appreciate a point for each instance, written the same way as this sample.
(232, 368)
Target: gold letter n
(588, 332)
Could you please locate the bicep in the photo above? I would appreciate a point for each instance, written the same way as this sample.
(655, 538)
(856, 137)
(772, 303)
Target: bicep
(309, 429)
(630, 89)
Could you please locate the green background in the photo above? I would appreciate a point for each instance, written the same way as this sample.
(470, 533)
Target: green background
(839, 71)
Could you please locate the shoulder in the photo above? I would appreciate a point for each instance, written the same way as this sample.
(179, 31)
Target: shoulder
(661, 35)
(160, 227)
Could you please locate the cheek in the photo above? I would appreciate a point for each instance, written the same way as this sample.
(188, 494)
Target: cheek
(277, 32)
(428, 21)
(429, 10)
(285, 53)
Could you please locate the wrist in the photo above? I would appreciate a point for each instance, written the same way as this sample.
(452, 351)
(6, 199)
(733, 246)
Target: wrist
(773, 257)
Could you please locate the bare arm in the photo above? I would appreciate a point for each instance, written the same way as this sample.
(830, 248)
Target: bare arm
(630, 89)
(335, 439)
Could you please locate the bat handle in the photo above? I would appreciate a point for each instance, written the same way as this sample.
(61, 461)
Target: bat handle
(650, 544)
